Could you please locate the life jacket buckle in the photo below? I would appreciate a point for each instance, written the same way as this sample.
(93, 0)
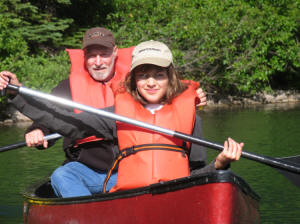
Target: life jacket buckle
(128, 151)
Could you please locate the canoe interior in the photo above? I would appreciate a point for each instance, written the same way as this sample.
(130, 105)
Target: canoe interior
(42, 191)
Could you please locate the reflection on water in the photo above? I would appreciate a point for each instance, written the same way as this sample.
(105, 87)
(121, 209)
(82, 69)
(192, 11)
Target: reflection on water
(271, 130)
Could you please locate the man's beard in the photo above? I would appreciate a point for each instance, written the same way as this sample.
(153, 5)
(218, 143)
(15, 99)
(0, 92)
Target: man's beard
(103, 76)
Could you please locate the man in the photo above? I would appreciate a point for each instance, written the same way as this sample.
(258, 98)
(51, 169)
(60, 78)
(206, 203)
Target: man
(96, 71)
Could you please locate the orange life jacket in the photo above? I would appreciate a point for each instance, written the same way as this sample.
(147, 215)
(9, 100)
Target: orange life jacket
(85, 90)
(152, 166)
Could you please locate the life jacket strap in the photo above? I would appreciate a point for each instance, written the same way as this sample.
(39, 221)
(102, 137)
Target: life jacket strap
(138, 148)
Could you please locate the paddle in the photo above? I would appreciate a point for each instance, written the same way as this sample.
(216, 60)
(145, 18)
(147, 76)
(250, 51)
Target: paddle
(273, 162)
(294, 178)
(21, 144)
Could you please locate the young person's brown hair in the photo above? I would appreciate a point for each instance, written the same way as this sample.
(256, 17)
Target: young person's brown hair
(175, 86)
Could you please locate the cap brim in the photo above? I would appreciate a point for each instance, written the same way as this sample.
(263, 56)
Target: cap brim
(162, 62)
(100, 43)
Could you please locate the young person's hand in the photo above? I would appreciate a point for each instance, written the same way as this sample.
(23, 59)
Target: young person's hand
(232, 152)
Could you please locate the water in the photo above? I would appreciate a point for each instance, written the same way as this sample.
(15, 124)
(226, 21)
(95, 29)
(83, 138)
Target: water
(266, 130)
(19, 169)
(270, 130)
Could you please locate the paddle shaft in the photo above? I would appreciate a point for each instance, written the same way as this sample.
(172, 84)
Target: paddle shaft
(277, 163)
(2, 92)
(22, 144)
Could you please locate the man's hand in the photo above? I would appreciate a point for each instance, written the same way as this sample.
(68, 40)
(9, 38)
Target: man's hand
(36, 138)
(201, 97)
(7, 77)
(232, 152)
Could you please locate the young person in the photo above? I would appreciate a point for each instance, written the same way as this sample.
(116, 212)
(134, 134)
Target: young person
(153, 93)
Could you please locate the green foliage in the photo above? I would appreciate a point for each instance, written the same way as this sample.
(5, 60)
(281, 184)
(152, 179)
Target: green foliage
(42, 72)
(35, 25)
(230, 46)
(84, 14)
(12, 44)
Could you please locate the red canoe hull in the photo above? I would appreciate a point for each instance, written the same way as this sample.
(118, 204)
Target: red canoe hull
(188, 202)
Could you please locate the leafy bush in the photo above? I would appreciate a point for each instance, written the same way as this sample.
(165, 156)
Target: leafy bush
(42, 72)
(229, 46)
(12, 44)
(36, 25)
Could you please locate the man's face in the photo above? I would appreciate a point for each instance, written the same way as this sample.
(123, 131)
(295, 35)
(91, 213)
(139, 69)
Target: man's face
(100, 61)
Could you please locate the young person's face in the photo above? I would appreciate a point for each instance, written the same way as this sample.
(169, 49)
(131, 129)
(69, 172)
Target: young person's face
(100, 61)
(152, 83)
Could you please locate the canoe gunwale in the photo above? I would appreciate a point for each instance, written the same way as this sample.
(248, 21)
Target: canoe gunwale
(30, 194)
(207, 178)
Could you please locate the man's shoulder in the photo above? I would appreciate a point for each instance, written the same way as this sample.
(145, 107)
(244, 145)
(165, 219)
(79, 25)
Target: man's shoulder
(62, 89)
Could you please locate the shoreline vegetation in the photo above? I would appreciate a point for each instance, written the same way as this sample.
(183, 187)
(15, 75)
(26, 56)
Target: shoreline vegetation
(279, 98)
(240, 48)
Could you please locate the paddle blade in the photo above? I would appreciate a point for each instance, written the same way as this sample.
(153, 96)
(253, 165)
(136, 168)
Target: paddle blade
(293, 177)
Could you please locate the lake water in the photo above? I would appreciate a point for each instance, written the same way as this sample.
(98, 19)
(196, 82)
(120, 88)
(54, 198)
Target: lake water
(272, 130)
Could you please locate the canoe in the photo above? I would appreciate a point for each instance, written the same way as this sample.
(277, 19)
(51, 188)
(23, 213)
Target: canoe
(213, 198)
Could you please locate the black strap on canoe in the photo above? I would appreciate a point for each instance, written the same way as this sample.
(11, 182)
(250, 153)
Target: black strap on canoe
(138, 148)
